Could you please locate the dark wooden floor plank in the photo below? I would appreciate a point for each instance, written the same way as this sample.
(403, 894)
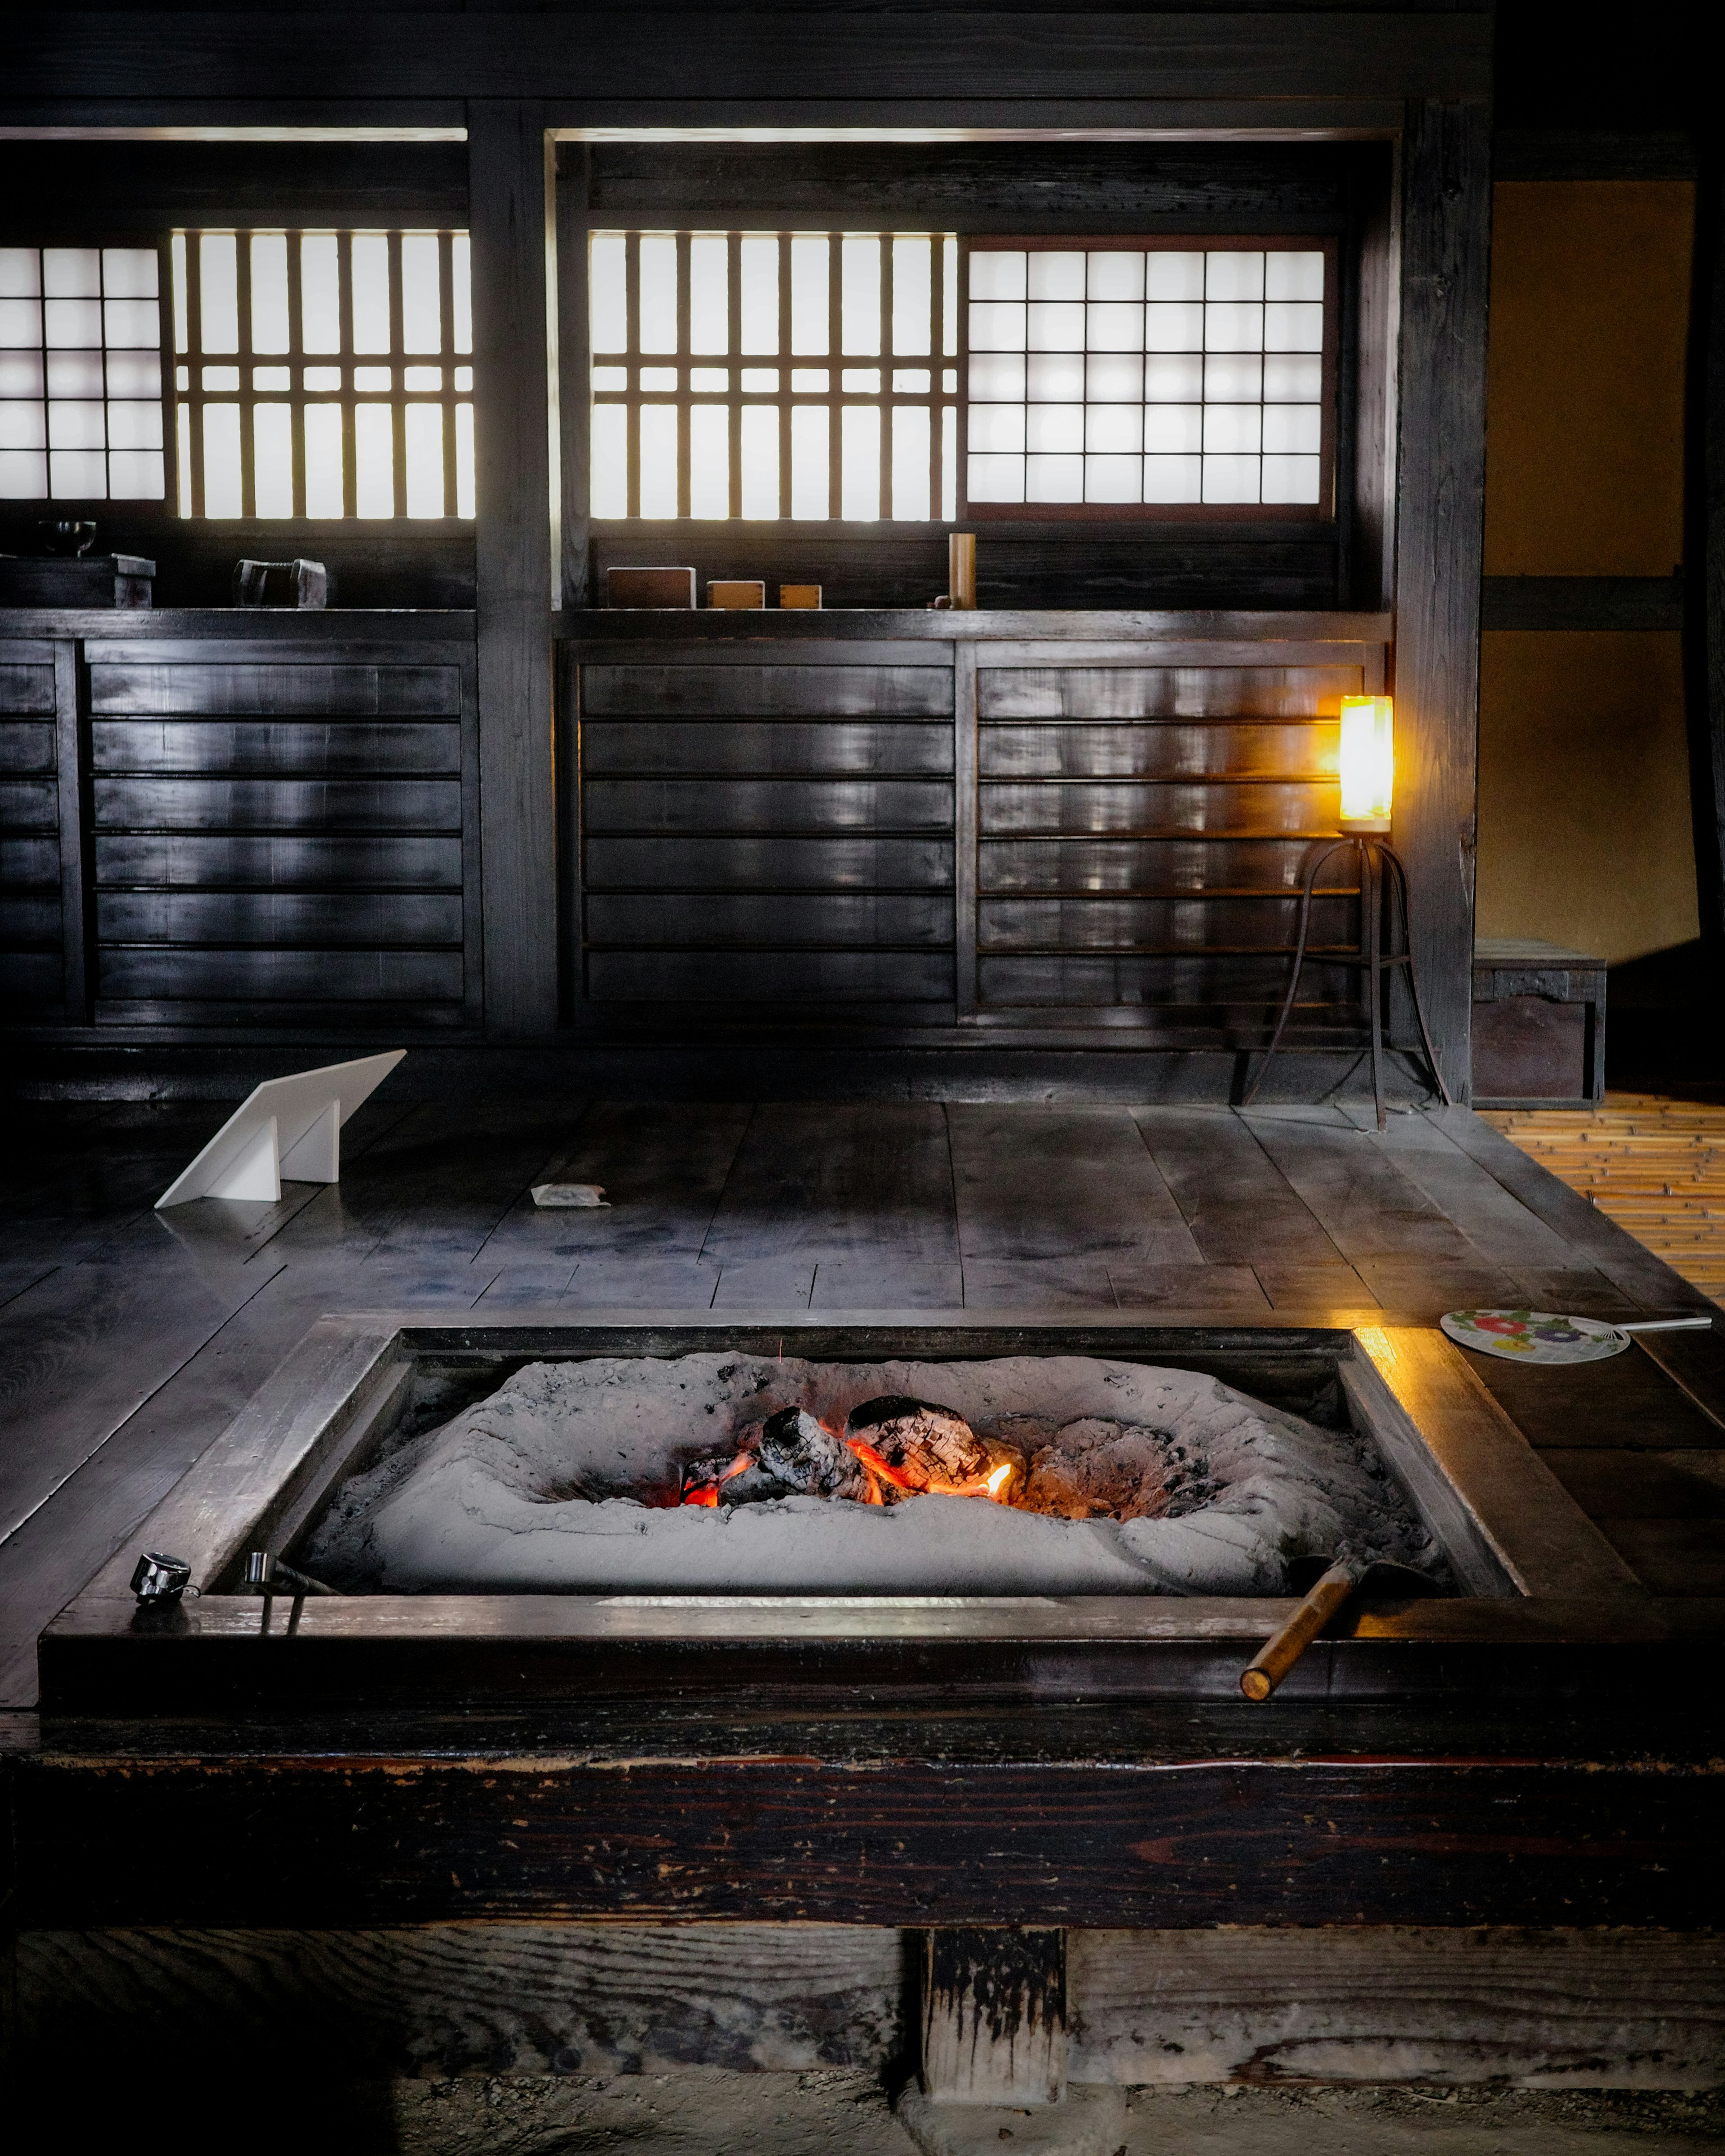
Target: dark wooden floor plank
(1621, 1485)
(1336, 1286)
(1081, 1283)
(1188, 1287)
(1058, 1182)
(1367, 1206)
(1234, 1200)
(641, 1281)
(1672, 1557)
(82, 1351)
(1627, 1403)
(1427, 1290)
(663, 1166)
(822, 1180)
(442, 1178)
(884, 1281)
(777, 1283)
(1595, 1240)
(90, 1514)
(1493, 1217)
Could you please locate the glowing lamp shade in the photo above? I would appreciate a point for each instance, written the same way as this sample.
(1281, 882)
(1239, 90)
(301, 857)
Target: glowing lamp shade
(1368, 762)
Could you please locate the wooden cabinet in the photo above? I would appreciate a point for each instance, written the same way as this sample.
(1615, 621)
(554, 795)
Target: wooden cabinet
(208, 824)
(1034, 824)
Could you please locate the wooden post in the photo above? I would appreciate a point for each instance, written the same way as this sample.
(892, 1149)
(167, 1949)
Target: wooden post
(515, 501)
(1704, 566)
(994, 2016)
(1446, 224)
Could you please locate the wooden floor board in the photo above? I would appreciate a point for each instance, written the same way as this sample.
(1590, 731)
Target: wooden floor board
(642, 1283)
(775, 1283)
(663, 1166)
(1335, 1286)
(1611, 1484)
(1683, 1557)
(81, 1352)
(816, 1181)
(884, 1281)
(1081, 1283)
(1427, 1290)
(1235, 1202)
(1054, 1183)
(1187, 1287)
(1366, 1205)
(1491, 1217)
(1597, 1240)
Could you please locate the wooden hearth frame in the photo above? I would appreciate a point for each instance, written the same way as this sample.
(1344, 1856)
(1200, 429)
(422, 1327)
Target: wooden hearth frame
(1539, 1578)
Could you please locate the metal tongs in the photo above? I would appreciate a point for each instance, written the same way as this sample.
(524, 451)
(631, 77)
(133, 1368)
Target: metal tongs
(266, 1574)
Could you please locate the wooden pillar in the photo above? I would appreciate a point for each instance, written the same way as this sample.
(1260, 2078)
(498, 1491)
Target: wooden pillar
(1704, 558)
(994, 2016)
(1446, 226)
(516, 507)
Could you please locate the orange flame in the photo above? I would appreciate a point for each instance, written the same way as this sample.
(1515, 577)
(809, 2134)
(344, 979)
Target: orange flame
(998, 1478)
(707, 1493)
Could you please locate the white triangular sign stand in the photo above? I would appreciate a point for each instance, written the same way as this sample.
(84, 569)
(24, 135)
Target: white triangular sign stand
(253, 1171)
(289, 1127)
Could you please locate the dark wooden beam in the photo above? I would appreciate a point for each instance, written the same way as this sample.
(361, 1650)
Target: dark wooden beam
(506, 182)
(1574, 153)
(1446, 213)
(592, 52)
(1187, 1815)
(1704, 551)
(1595, 603)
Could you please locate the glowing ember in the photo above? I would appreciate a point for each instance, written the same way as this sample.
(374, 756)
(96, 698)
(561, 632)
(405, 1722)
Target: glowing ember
(910, 1448)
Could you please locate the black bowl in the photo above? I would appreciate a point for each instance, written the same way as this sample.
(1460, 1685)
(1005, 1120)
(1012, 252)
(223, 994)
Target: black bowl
(67, 537)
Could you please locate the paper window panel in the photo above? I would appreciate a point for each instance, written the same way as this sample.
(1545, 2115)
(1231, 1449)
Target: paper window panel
(80, 374)
(770, 375)
(1152, 376)
(319, 376)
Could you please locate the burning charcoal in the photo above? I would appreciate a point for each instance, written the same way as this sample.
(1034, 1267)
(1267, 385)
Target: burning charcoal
(754, 1485)
(1098, 1469)
(913, 1445)
(807, 1459)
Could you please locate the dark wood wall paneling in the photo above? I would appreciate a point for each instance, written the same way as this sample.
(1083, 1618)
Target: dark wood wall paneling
(758, 836)
(205, 833)
(71, 192)
(995, 833)
(32, 977)
(1339, 189)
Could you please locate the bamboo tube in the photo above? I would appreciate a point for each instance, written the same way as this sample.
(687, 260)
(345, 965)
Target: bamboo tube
(1278, 1655)
(960, 571)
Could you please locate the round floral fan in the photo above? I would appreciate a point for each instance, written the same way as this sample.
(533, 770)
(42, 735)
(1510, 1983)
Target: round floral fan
(1534, 1336)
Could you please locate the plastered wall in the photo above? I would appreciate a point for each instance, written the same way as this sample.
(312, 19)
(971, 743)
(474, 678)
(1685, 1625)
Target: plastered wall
(1583, 803)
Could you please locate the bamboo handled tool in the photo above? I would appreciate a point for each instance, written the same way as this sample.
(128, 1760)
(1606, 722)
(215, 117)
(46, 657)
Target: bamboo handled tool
(1279, 1654)
(1326, 1595)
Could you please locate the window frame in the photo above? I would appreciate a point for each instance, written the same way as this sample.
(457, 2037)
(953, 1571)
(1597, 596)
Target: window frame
(193, 397)
(142, 506)
(1323, 511)
(935, 400)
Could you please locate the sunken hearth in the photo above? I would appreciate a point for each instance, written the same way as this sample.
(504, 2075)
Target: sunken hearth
(731, 1474)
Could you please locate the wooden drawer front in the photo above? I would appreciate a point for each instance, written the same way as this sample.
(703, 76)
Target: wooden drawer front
(1142, 834)
(283, 839)
(758, 835)
(31, 967)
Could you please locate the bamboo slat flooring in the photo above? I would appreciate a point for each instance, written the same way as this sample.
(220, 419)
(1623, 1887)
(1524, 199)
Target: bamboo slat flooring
(1655, 1166)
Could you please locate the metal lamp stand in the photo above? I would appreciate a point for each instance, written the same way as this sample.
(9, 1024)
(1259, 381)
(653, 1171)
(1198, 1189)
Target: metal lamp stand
(1381, 869)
